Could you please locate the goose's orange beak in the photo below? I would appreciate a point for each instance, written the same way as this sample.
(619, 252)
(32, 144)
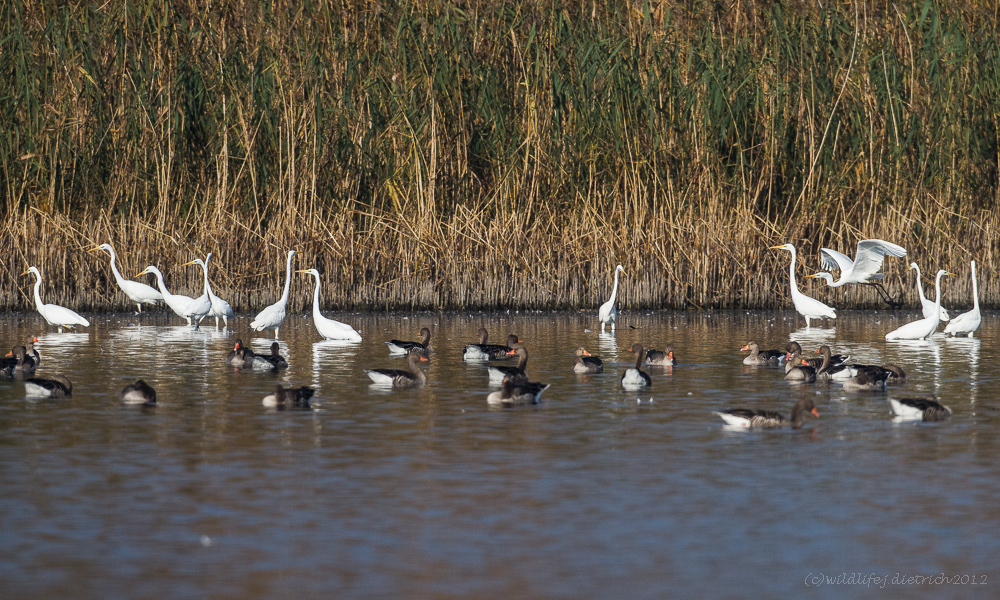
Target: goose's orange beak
(814, 412)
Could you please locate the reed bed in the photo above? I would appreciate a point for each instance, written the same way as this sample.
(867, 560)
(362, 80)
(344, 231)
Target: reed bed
(489, 155)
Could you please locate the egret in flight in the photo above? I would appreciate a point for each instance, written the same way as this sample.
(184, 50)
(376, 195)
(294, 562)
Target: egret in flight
(927, 306)
(328, 328)
(608, 313)
(52, 313)
(201, 306)
(273, 316)
(969, 322)
(865, 266)
(923, 328)
(177, 302)
(140, 293)
(810, 308)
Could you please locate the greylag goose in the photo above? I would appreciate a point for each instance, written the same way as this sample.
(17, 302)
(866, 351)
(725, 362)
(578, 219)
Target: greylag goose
(768, 419)
(635, 377)
(868, 377)
(924, 409)
(664, 358)
(137, 393)
(269, 362)
(517, 393)
(586, 363)
(240, 356)
(57, 387)
(17, 364)
(499, 373)
(483, 351)
(801, 371)
(30, 351)
(896, 375)
(761, 357)
(402, 347)
(289, 397)
(412, 376)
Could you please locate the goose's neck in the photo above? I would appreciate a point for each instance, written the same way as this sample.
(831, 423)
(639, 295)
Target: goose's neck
(638, 358)
(288, 278)
(522, 361)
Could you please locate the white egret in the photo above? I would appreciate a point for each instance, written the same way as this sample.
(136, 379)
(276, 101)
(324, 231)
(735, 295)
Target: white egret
(52, 313)
(328, 328)
(810, 308)
(969, 322)
(200, 307)
(177, 302)
(923, 328)
(864, 268)
(927, 306)
(220, 308)
(608, 313)
(273, 316)
(140, 293)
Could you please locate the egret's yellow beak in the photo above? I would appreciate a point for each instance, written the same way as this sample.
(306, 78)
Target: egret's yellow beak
(188, 263)
(813, 275)
(26, 272)
(777, 247)
(94, 249)
(302, 271)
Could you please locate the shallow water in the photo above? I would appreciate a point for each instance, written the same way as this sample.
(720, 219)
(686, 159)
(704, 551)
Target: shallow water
(429, 492)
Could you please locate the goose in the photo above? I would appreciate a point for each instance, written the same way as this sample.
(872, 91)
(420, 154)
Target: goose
(587, 363)
(30, 351)
(924, 409)
(517, 393)
(801, 371)
(607, 314)
(922, 328)
(329, 328)
(868, 377)
(269, 362)
(138, 393)
(289, 397)
(412, 376)
(810, 308)
(17, 364)
(896, 375)
(518, 373)
(483, 351)
(273, 316)
(828, 366)
(835, 359)
(635, 377)
(926, 306)
(664, 359)
(54, 314)
(864, 268)
(969, 322)
(140, 293)
(200, 307)
(402, 347)
(238, 357)
(759, 357)
(177, 302)
(753, 418)
(57, 387)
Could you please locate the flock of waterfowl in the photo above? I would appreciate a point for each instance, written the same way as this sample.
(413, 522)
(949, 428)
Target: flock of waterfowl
(513, 382)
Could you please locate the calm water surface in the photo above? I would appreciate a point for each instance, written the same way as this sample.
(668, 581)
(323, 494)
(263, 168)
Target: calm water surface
(596, 493)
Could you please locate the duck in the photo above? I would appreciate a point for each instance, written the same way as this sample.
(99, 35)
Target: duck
(520, 393)
(896, 375)
(664, 358)
(269, 362)
(57, 387)
(635, 377)
(283, 397)
(402, 347)
(967, 323)
(801, 371)
(829, 368)
(498, 374)
(587, 363)
(483, 351)
(868, 377)
(238, 356)
(753, 418)
(412, 376)
(17, 364)
(759, 357)
(138, 393)
(923, 409)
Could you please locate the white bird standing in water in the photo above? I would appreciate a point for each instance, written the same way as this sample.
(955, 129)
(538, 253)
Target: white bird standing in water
(177, 302)
(810, 308)
(969, 322)
(328, 328)
(923, 328)
(201, 306)
(273, 316)
(140, 293)
(926, 306)
(220, 308)
(608, 313)
(53, 313)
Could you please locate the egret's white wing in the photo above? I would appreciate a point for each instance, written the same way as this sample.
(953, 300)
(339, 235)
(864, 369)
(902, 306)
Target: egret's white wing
(868, 259)
(831, 259)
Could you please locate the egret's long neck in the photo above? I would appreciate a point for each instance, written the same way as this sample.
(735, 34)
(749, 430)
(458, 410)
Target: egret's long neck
(791, 274)
(208, 288)
(975, 288)
(288, 278)
(38, 297)
(937, 297)
(114, 269)
(316, 314)
(920, 285)
(160, 284)
(614, 290)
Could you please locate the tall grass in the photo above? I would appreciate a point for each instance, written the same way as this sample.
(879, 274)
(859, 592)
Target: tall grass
(423, 154)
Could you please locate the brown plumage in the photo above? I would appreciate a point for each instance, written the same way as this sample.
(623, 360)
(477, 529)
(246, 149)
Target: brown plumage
(587, 363)
(635, 376)
(768, 419)
(139, 392)
(57, 387)
(398, 377)
(664, 358)
(761, 357)
(514, 393)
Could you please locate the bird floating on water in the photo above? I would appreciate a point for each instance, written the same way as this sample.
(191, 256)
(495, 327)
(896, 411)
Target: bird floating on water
(412, 376)
(484, 352)
(52, 313)
(919, 409)
(635, 377)
(810, 308)
(753, 418)
(178, 303)
(927, 306)
(57, 387)
(404, 347)
(138, 393)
